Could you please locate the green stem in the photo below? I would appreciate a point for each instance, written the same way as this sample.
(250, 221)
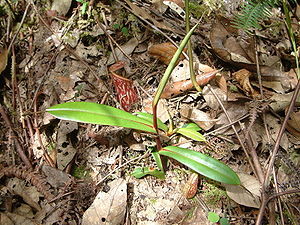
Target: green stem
(190, 50)
(166, 76)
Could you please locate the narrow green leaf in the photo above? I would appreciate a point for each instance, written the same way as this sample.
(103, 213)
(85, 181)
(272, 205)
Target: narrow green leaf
(89, 112)
(141, 172)
(202, 164)
(192, 126)
(149, 117)
(191, 131)
(157, 159)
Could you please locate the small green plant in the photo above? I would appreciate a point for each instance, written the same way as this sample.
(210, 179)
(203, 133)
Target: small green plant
(122, 28)
(94, 113)
(84, 6)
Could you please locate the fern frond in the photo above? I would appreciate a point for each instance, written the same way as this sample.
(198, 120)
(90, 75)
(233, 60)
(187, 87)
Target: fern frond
(253, 12)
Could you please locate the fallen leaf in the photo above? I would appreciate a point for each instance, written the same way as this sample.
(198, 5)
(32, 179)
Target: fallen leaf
(221, 82)
(164, 52)
(128, 48)
(198, 216)
(180, 3)
(145, 15)
(177, 88)
(281, 101)
(108, 208)
(61, 7)
(3, 58)
(248, 193)
(201, 118)
(293, 124)
(239, 53)
(242, 76)
(162, 109)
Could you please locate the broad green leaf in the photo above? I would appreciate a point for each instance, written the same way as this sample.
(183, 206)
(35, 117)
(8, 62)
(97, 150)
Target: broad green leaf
(190, 133)
(224, 221)
(149, 117)
(202, 164)
(213, 217)
(89, 112)
(141, 172)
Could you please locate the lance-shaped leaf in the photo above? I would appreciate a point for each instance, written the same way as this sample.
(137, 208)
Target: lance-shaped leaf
(149, 117)
(89, 112)
(202, 164)
(191, 131)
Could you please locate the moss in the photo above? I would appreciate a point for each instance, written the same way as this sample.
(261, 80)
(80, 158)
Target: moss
(197, 9)
(213, 194)
(80, 172)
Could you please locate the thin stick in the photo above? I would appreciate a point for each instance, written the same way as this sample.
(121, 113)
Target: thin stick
(234, 129)
(19, 147)
(274, 153)
(152, 26)
(20, 26)
(124, 164)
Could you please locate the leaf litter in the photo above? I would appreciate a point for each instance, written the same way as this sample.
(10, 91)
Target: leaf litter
(50, 72)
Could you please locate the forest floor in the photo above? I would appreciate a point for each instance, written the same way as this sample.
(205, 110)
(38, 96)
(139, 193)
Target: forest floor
(63, 172)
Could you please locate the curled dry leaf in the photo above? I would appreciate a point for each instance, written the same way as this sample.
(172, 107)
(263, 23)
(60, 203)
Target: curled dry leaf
(242, 76)
(126, 92)
(164, 52)
(177, 88)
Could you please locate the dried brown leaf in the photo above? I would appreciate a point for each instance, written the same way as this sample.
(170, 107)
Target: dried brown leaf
(293, 124)
(3, 59)
(242, 76)
(164, 52)
(108, 208)
(177, 88)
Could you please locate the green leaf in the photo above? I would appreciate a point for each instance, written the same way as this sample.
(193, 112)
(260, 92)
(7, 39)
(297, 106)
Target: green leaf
(157, 159)
(149, 117)
(213, 217)
(89, 112)
(192, 126)
(202, 164)
(141, 172)
(191, 131)
(224, 221)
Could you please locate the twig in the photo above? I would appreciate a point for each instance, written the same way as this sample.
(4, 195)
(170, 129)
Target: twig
(274, 153)
(227, 125)
(20, 26)
(43, 78)
(19, 147)
(124, 164)
(279, 199)
(110, 39)
(234, 129)
(152, 26)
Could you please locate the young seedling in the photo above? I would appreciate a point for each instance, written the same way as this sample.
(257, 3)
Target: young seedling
(88, 112)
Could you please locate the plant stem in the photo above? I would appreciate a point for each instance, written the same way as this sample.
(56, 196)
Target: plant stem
(190, 50)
